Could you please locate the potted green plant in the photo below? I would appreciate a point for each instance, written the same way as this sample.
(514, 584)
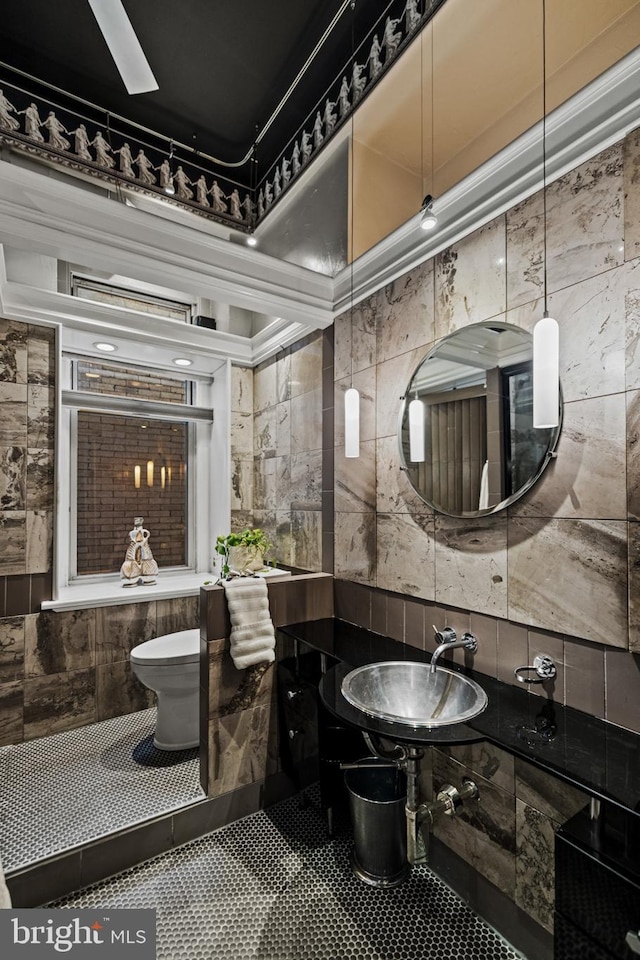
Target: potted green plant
(243, 552)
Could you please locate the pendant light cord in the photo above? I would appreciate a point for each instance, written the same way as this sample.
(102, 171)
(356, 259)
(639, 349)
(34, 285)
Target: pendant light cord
(544, 150)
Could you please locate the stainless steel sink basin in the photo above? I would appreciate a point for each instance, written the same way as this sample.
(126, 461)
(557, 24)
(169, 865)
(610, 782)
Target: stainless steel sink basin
(405, 692)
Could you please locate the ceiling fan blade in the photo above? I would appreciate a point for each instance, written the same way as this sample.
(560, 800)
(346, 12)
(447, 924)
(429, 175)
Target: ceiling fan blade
(124, 45)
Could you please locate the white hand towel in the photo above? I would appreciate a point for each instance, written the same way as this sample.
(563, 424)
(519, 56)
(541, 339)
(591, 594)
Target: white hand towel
(253, 638)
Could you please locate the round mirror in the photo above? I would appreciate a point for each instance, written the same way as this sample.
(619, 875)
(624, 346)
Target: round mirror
(466, 434)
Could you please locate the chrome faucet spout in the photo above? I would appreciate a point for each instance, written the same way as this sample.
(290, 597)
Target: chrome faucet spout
(449, 642)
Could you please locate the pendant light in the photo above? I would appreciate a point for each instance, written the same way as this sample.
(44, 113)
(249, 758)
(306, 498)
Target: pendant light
(546, 340)
(416, 431)
(352, 397)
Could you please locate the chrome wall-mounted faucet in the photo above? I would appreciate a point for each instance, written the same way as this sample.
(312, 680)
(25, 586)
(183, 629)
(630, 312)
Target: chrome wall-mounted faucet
(446, 639)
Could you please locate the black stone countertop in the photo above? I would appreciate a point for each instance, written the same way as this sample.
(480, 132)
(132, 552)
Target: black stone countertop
(593, 755)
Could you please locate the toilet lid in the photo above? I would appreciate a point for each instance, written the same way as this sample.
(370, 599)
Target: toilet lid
(180, 647)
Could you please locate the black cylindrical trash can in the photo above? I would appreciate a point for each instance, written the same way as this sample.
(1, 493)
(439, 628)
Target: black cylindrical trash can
(377, 798)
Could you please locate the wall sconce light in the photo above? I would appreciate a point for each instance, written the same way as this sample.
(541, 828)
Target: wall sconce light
(416, 431)
(149, 473)
(136, 476)
(428, 219)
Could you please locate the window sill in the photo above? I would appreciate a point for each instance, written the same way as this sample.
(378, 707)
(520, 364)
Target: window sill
(87, 595)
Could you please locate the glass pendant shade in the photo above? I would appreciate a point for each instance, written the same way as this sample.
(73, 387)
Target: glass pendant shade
(352, 423)
(546, 373)
(416, 431)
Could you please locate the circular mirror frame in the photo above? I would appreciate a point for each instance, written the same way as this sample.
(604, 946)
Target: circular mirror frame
(549, 454)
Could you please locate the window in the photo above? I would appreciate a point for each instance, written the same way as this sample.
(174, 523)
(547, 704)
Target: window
(88, 289)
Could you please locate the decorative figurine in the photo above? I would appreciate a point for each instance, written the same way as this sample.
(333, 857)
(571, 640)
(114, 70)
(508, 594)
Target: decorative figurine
(145, 167)
(164, 174)
(286, 172)
(277, 189)
(295, 159)
(412, 16)
(7, 122)
(391, 39)
(343, 98)
(103, 151)
(305, 146)
(375, 64)
(182, 180)
(247, 206)
(268, 195)
(32, 123)
(330, 119)
(358, 82)
(260, 204)
(219, 206)
(126, 160)
(81, 142)
(202, 190)
(56, 129)
(139, 565)
(317, 131)
(234, 205)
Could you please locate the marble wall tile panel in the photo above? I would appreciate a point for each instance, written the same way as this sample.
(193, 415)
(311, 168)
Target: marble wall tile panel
(241, 484)
(306, 481)
(11, 712)
(405, 554)
(179, 613)
(486, 761)
(404, 313)
(239, 749)
(282, 536)
(306, 422)
(39, 541)
(622, 688)
(633, 454)
(241, 519)
(584, 676)
(13, 425)
(118, 691)
(282, 492)
(585, 228)
(591, 317)
(56, 643)
(13, 478)
(41, 355)
(265, 393)
(470, 279)
(241, 435)
(471, 563)
(363, 335)
(393, 378)
(58, 702)
(535, 876)
(119, 629)
(631, 159)
(264, 433)
(232, 690)
(342, 345)
(13, 351)
(634, 587)
(587, 479)
(483, 833)
(394, 493)
(589, 560)
(355, 547)
(525, 251)
(13, 541)
(283, 376)
(355, 480)
(283, 429)
(264, 482)
(11, 649)
(632, 320)
(40, 416)
(365, 384)
(549, 796)
(40, 479)
(306, 540)
(306, 366)
(241, 389)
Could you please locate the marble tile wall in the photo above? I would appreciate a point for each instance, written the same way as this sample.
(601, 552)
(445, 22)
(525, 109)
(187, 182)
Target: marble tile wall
(290, 494)
(63, 670)
(559, 570)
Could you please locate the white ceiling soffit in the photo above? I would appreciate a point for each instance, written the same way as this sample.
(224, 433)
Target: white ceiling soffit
(593, 119)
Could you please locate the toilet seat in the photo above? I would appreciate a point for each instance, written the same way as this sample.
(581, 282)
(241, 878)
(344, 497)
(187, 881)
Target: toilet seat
(172, 648)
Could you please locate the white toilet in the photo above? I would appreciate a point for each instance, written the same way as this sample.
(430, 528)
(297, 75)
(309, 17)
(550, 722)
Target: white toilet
(170, 665)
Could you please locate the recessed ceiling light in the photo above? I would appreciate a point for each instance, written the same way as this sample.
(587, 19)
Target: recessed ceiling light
(105, 347)
(182, 362)
(252, 242)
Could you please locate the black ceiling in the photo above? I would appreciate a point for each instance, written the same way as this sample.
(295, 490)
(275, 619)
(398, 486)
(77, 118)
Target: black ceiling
(222, 65)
